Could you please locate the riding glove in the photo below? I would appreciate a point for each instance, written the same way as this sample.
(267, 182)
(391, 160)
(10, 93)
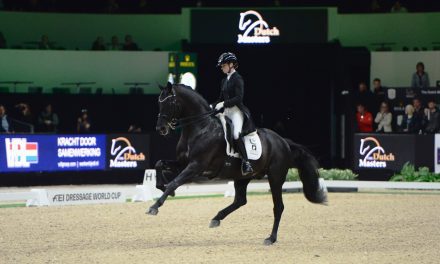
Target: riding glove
(219, 106)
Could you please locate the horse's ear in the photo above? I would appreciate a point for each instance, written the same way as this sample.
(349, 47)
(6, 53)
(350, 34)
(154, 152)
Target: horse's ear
(169, 86)
(161, 87)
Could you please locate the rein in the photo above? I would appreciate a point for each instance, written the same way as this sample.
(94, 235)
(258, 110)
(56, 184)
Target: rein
(186, 121)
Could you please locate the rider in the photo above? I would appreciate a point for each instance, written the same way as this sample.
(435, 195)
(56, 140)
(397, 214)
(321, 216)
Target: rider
(231, 99)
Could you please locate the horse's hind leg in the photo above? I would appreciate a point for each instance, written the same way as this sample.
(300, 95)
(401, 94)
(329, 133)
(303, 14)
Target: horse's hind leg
(239, 200)
(276, 181)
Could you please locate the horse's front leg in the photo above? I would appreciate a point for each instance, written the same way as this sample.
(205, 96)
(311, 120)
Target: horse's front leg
(193, 169)
(166, 171)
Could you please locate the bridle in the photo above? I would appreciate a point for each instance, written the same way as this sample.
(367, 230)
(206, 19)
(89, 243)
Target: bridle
(173, 122)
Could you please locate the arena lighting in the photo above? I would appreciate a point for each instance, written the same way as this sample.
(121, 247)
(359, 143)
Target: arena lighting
(188, 79)
(255, 29)
(171, 78)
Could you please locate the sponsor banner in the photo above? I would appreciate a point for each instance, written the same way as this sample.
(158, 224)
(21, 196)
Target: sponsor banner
(260, 26)
(437, 154)
(128, 151)
(379, 151)
(52, 152)
(254, 29)
(71, 197)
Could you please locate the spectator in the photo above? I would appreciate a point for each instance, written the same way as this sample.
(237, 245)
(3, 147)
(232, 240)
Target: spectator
(364, 119)
(419, 112)
(48, 120)
(432, 118)
(378, 92)
(5, 122)
(384, 119)
(115, 43)
(44, 43)
(98, 44)
(364, 96)
(377, 87)
(25, 114)
(420, 78)
(410, 122)
(83, 125)
(2, 41)
(134, 129)
(129, 43)
(398, 8)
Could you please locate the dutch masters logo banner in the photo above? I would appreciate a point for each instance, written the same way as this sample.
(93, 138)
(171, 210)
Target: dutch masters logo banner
(374, 155)
(128, 151)
(254, 28)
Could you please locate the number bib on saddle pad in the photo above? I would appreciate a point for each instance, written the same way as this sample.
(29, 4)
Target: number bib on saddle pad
(253, 145)
(252, 140)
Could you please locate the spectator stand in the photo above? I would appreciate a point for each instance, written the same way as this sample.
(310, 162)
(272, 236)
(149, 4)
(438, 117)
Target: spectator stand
(15, 83)
(135, 89)
(79, 88)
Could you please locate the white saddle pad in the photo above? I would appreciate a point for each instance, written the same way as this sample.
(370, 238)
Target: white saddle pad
(252, 143)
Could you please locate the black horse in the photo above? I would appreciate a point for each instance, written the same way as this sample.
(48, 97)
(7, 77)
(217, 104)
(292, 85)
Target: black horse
(201, 151)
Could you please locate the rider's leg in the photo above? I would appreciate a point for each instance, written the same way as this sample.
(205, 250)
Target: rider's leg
(234, 113)
(237, 118)
(246, 167)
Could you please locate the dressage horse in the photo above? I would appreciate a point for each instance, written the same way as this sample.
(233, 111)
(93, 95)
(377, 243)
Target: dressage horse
(201, 151)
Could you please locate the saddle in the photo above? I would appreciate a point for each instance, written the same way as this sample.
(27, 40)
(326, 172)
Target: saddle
(252, 140)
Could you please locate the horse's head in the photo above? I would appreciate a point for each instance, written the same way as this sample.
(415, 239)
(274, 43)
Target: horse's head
(177, 102)
(168, 110)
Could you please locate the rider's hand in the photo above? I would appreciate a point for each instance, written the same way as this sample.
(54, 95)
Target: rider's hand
(219, 106)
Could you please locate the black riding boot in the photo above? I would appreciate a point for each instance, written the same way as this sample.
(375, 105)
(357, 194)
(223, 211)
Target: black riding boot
(246, 167)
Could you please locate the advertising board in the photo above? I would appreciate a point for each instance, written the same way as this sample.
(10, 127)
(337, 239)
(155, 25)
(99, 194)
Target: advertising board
(51, 152)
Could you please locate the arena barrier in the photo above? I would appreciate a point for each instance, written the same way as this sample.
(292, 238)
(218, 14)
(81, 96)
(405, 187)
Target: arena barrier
(147, 191)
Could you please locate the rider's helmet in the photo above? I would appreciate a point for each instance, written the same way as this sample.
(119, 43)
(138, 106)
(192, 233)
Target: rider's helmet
(227, 57)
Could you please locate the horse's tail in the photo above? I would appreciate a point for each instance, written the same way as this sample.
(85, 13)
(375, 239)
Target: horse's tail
(314, 189)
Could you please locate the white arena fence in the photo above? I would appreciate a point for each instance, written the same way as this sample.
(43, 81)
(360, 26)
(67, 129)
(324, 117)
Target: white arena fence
(147, 191)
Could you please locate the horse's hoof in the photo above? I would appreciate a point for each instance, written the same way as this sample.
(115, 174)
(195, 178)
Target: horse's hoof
(152, 211)
(269, 241)
(214, 223)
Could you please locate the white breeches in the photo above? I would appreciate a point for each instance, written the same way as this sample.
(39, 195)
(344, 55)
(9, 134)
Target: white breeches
(234, 113)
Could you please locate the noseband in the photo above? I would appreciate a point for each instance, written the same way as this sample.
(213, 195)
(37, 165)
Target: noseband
(171, 119)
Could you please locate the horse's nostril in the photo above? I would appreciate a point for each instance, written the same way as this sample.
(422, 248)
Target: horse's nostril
(162, 130)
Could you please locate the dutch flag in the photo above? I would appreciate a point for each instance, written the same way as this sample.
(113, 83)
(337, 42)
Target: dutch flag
(32, 152)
